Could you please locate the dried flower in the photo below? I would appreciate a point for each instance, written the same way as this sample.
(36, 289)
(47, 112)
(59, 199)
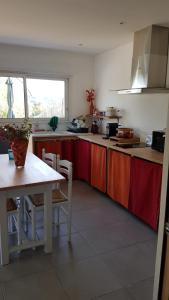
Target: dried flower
(90, 95)
(11, 132)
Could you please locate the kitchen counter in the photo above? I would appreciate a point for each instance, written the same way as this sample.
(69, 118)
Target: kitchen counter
(145, 153)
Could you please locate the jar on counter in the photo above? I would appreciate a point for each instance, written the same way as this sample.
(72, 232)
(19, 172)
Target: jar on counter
(94, 128)
(110, 111)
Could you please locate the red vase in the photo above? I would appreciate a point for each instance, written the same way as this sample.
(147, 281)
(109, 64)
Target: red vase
(19, 148)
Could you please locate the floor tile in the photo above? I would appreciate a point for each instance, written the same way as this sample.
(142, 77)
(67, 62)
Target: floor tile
(105, 238)
(148, 249)
(58, 231)
(130, 264)
(27, 263)
(142, 290)
(98, 216)
(86, 219)
(121, 294)
(111, 256)
(136, 231)
(44, 286)
(87, 279)
(85, 197)
(65, 252)
(2, 292)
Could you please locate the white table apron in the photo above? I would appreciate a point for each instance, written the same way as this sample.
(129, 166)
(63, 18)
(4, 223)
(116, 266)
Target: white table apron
(46, 189)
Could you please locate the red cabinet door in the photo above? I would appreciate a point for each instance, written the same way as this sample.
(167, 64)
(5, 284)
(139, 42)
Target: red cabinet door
(68, 150)
(51, 146)
(82, 160)
(98, 167)
(118, 180)
(145, 190)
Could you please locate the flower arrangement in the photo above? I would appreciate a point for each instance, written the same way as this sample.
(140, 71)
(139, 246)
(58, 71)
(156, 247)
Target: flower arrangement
(12, 132)
(18, 137)
(90, 97)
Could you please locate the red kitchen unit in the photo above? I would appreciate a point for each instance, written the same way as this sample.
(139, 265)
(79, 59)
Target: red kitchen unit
(52, 146)
(118, 179)
(68, 150)
(145, 190)
(98, 167)
(82, 160)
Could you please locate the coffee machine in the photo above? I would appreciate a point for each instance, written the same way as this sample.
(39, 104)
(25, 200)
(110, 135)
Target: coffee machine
(111, 130)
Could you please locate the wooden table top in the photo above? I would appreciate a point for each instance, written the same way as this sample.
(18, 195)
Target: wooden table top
(35, 172)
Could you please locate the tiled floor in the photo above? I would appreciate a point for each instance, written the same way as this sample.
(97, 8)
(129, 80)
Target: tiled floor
(111, 257)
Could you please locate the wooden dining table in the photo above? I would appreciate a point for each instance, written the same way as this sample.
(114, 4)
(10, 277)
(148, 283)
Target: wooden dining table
(35, 177)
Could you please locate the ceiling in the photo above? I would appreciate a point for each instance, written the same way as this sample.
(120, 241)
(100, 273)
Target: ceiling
(90, 26)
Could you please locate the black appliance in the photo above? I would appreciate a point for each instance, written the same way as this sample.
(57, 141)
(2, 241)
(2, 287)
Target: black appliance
(158, 140)
(111, 129)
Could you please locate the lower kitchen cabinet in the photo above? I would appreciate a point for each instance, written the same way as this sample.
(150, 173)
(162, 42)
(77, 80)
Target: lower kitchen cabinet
(52, 146)
(98, 167)
(68, 153)
(145, 190)
(82, 160)
(68, 150)
(118, 178)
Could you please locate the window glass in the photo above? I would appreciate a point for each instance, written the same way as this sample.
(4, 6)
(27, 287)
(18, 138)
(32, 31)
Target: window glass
(46, 98)
(11, 97)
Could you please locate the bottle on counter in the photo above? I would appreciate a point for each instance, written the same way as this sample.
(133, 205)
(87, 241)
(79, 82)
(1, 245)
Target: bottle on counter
(94, 128)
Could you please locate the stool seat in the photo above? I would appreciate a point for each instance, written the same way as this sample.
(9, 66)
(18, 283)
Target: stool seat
(38, 199)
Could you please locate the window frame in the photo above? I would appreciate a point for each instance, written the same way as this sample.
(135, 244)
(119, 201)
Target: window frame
(26, 108)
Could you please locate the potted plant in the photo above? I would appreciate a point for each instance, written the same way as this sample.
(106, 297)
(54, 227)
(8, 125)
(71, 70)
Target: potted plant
(18, 137)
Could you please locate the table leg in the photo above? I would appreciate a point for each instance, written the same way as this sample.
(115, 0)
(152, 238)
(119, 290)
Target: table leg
(4, 231)
(48, 219)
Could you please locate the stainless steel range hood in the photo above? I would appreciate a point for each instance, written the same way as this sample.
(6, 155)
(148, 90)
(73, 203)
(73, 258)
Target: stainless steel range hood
(149, 62)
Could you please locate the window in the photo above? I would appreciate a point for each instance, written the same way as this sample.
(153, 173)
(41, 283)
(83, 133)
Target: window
(43, 101)
(22, 97)
(11, 89)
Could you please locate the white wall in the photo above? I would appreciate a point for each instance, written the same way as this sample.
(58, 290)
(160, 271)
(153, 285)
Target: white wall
(143, 112)
(78, 67)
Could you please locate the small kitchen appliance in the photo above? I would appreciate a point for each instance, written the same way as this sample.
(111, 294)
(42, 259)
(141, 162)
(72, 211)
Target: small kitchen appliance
(111, 130)
(158, 140)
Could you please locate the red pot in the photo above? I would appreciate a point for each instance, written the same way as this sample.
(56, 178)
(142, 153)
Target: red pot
(125, 132)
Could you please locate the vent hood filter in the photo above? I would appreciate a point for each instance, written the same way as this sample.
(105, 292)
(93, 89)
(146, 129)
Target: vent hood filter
(149, 62)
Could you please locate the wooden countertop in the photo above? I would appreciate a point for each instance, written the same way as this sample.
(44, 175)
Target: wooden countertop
(53, 135)
(145, 153)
